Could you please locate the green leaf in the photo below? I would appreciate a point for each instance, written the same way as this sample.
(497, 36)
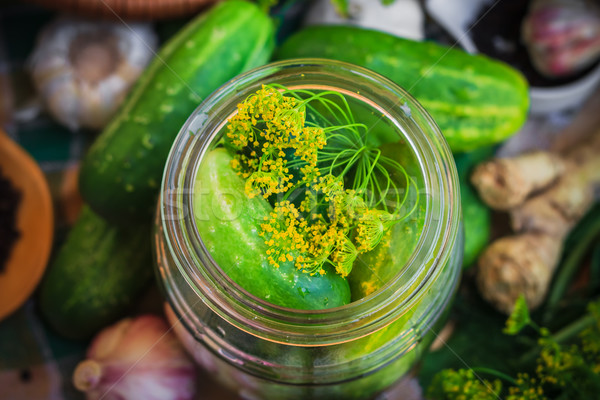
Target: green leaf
(341, 6)
(578, 245)
(519, 318)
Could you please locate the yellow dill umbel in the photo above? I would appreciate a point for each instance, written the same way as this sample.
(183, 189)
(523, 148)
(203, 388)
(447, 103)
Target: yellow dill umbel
(316, 222)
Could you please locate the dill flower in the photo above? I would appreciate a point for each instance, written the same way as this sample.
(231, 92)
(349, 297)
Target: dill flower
(462, 384)
(343, 256)
(590, 339)
(322, 239)
(354, 204)
(372, 225)
(282, 231)
(526, 388)
(313, 265)
(272, 178)
(280, 155)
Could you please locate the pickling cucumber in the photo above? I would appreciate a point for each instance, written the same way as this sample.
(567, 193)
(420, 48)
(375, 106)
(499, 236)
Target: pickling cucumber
(229, 222)
(96, 275)
(475, 100)
(477, 221)
(477, 217)
(121, 173)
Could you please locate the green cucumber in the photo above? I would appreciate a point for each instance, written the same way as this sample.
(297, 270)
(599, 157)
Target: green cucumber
(477, 224)
(228, 223)
(96, 276)
(121, 173)
(477, 217)
(475, 100)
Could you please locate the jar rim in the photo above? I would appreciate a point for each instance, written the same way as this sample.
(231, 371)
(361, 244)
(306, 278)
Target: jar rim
(309, 327)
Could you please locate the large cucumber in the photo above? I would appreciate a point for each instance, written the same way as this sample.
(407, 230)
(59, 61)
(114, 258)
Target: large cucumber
(97, 274)
(475, 101)
(122, 171)
(229, 223)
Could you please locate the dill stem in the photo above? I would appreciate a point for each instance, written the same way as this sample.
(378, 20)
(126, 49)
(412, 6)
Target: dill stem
(563, 335)
(574, 328)
(373, 164)
(337, 127)
(350, 162)
(495, 373)
(289, 192)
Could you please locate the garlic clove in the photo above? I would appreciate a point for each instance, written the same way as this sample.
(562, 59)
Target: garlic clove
(104, 344)
(88, 375)
(83, 69)
(136, 358)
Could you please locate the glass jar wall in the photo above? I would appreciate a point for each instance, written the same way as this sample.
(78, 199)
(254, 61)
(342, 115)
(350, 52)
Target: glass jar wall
(264, 351)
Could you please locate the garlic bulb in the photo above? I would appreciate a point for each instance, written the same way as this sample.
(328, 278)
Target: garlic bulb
(562, 36)
(136, 359)
(83, 69)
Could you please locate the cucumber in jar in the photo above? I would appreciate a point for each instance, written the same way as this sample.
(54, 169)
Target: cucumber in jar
(228, 223)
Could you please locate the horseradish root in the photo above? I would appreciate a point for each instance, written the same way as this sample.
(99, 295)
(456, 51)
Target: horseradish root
(518, 264)
(558, 209)
(545, 194)
(505, 183)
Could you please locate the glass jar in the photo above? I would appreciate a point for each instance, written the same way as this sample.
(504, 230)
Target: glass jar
(356, 351)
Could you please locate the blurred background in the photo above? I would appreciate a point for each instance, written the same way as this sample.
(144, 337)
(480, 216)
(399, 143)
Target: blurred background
(48, 47)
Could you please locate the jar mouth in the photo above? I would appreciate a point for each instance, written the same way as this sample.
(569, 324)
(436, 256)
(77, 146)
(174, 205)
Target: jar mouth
(311, 327)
